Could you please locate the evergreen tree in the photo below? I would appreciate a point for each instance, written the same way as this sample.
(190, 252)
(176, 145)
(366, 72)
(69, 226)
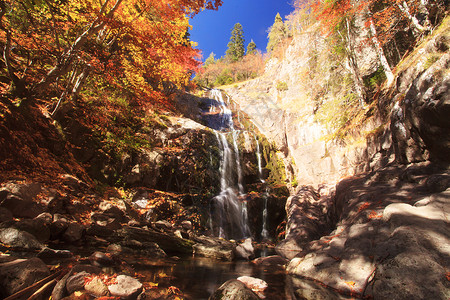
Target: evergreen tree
(210, 60)
(276, 33)
(251, 48)
(236, 48)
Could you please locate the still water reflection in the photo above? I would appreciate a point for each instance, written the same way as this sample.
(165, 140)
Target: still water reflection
(198, 278)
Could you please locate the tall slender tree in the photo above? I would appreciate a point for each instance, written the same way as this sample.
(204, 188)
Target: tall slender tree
(236, 49)
(251, 48)
(276, 33)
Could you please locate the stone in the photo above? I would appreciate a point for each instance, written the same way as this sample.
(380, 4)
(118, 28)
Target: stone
(106, 220)
(163, 225)
(51, 254)
(214, 248)
(21, 273)
(21, 208)
(76, 282)
(186, 225)
(97, 287)
(112, 210)
(25, 191)
(5, 215)
(100, 259)
(169, 243)
(57, 228)
(258, 286)
(37, 227)
(233, 290)
(95, 229)
(245, 250)
(274, 260)
(126, 287)
(74, 232)
(15, 238)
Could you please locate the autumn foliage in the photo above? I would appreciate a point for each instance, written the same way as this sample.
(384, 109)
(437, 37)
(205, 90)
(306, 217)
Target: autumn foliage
(51, 48)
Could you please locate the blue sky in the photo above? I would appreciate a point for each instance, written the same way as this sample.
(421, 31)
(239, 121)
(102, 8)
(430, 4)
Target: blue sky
(212, 29)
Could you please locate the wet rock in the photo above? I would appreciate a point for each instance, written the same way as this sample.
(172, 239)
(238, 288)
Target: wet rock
(76, 282)
(274, 260)
(97, 287)
(233, 290)
(100, 259)
(169, 243)
(15, 238)
(245, 250)
(5, 215)
(214, 248)
(148, 249)
(19, 274)
(255, 284)
(127, 287)
(74, 232)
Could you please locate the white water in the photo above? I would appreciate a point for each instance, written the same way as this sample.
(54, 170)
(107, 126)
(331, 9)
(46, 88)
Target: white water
(264, 232)
(228, 217)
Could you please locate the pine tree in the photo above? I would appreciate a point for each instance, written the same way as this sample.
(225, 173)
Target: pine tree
(251, 48)
(210, 60)
(236, 48)
(276, 33)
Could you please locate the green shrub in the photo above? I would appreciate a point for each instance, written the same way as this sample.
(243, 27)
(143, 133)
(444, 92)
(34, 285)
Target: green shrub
(282, 86)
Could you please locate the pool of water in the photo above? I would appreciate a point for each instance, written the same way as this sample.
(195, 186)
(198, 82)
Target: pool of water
(198, 278)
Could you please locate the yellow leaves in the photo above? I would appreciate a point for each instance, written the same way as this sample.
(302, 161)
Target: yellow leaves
(350, 283)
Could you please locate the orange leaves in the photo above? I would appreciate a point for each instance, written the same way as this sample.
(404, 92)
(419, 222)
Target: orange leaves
(364, 206)
(373, 215)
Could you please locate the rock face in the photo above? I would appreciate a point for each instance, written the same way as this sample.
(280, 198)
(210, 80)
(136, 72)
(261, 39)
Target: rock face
(409, 126)
(391, 240)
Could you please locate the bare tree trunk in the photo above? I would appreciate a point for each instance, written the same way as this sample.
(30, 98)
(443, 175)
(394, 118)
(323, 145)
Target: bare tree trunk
(405, 9)
(380, 52)
(353, 65)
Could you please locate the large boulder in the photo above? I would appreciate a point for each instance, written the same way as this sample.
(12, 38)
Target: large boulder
(214, 248)
(15, 238)
(19, 274)
(308, 217)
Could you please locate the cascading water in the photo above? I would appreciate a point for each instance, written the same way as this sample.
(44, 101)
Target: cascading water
(264, 232)
(228, 210)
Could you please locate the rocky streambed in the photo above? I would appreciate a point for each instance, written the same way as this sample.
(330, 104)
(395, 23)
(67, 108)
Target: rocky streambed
(53, 245)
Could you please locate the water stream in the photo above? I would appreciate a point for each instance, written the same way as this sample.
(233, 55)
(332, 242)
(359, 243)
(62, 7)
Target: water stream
(228, 210)
(264, 231)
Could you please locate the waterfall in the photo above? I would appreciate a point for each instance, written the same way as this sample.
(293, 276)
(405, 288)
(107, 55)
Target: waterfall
(264, 232)
(228, 210)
